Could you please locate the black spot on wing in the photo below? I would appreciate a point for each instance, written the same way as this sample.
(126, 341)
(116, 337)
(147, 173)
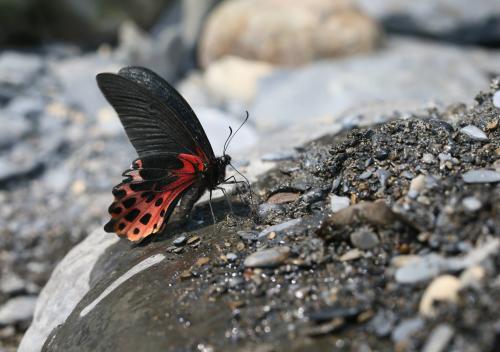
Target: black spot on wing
(145, 219)
(132, 215)
(127, 203)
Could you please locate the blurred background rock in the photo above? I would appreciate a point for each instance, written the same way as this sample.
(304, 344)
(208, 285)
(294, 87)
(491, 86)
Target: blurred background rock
(302, 68)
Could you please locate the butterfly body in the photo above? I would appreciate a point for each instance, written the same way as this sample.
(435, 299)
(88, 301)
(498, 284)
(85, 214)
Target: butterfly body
(176, 162)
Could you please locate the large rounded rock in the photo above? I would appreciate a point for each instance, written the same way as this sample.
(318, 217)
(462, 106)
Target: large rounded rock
(286, 32)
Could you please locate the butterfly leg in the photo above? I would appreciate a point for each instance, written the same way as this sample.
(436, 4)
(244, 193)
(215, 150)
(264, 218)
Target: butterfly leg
(187, 203)
(227, 199)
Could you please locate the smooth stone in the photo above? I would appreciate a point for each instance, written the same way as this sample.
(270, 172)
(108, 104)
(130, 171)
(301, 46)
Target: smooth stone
(471, 203)
(68, 284)
(267, 258)
(364, 239)
(283, 197)
(179, 241)
(417, 185)
(18, 309)
(442, 288)
(496, 99)
(279, 227)
(439, 338)
(383, 322)
(338, 203)
(481, 176)
(231, 256)
(14, 128)
(406, 328)
(474, 133)
(429, 266)
(472, 276)
(266, 210)
(353, 254)
(11, 283)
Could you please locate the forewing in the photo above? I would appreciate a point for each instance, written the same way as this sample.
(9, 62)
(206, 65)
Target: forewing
(169, 95)
(149, 122)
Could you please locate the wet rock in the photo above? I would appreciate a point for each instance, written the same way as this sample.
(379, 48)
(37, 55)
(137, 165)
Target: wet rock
(442, 288)
(249, 236)
(267, 258)
(474, 133)
(439, 338)
(17, 310)
(364, 239)
(331, 313)
(338, 203)
(406, 328)
(319, 29)
(481, 176)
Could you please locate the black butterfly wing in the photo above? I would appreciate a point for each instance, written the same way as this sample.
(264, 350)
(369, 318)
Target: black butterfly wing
(168, 94)
(157, 120)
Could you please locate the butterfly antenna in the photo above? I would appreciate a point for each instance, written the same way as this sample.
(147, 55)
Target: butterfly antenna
(234, 134)
(226, 143)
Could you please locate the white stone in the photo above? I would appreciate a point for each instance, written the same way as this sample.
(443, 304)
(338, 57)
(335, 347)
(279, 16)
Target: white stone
(439, 338)
(17, 309)
(67, 285)
(442, 288)
(496, 99)
(474, 133)
(338, 203)
(471, 203)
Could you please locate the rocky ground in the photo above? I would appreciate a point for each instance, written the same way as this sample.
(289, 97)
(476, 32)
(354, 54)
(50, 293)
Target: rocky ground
(382, 238)
(58, 136)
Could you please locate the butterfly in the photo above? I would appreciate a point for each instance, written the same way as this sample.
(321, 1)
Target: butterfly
(175, 161)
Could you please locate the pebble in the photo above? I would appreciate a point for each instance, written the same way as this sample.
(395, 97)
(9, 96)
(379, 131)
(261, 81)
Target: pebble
(364, 239)
(202, 261)
(439, 338)
(267, 258)
(193, 240)
(417, 185)
(338, 203)
(472, 276)
(353, 254)
(365, 175)
(18, 309)
(180, 241)
(406, 328)
(283, 197)
(231, 256)
(279, 227)
(383, 323)
(442, 288)
(428, 158)
(496, 99)
(11, 283)
(249, 236)
(481, 176)
(471, 203)
(312, 196)
(383, 176)
(474, 133)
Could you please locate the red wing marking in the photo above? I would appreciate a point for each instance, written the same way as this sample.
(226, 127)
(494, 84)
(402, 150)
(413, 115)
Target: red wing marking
(143, 207)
